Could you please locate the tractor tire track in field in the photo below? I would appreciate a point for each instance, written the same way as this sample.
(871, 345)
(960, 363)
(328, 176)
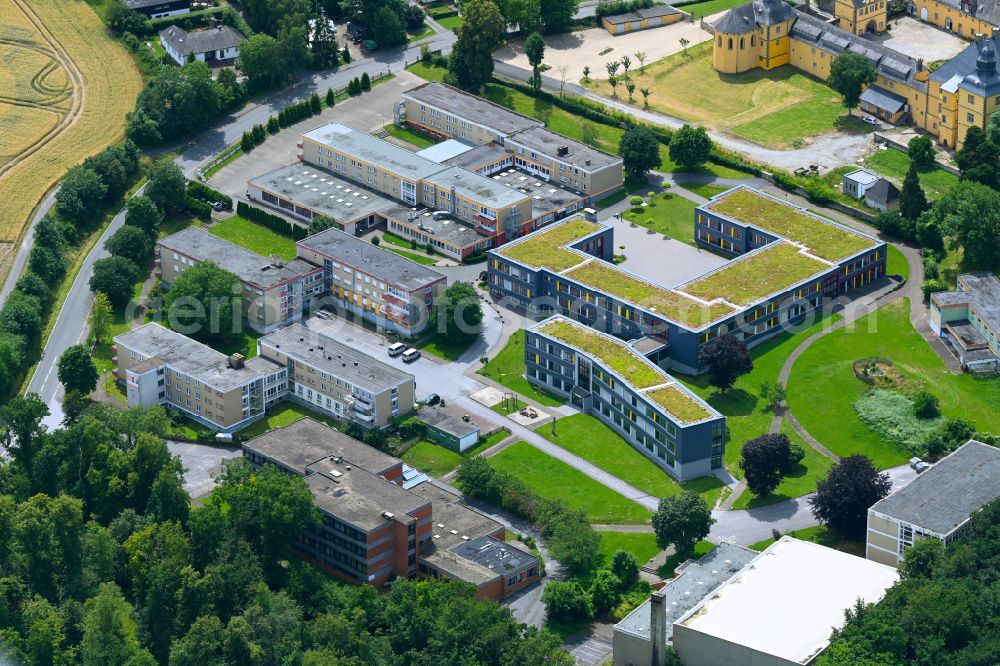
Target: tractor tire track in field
(75, 81)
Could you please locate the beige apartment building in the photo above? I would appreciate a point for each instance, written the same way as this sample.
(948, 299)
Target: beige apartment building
(447, 112)
(275, 292)
(938, 504)
(225, 393)
(384, 288)
(336, 379)
(414, 180)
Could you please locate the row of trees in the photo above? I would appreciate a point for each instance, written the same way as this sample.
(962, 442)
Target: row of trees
(568, 534)
(103, 561)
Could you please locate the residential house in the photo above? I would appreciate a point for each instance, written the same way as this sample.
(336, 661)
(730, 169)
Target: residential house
(217, 45)
(154, 9)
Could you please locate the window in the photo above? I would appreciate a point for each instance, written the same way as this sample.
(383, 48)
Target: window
(970, 118)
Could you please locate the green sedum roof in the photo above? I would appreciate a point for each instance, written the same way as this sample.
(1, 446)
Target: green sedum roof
(547, 248)
(775, 267)
(631, 366)
(666, 302)
(822, 238)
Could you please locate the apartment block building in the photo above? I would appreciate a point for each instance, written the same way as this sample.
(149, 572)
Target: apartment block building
(382, 287)
(373, 529)
(938, 504)
(447, 112)
(415, 180)
(616, 383)
(336, 379)
(274, 291)
(224, 393)
(786, 261)
(968, 320)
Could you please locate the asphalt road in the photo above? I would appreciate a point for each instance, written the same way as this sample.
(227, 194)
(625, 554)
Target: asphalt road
(21, 259)
(71, 324)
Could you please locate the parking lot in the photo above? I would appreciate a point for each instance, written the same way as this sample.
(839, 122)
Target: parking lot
(367, 112)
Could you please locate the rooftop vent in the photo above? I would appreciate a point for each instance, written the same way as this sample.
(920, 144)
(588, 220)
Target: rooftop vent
(562, 151)
(335, 474)
(387, 515)
(236, 361)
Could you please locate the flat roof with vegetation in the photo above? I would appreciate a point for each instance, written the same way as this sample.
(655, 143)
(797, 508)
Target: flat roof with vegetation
(548, 246)
(744, 281)
(630, 365)
(668, 303)
(822, 237)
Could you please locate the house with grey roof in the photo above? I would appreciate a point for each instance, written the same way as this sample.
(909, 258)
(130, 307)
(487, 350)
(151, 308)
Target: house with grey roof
(217, 45)
(937, 504)
(883, 195)
(968, 320)
(154, 9)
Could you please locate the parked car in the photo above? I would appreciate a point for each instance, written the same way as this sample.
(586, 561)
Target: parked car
(396, 349)
(411, 355)
(218, 205)
(919, 465)
(869, 120)
(433, 399)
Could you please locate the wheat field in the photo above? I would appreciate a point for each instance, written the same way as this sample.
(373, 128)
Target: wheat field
(65, 87)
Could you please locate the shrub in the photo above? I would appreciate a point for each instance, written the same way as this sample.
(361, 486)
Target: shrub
(635, 201)
(893, 415)
(202, 192)
(625, 567)
(199, 209)
(932, 286)
(926, 405)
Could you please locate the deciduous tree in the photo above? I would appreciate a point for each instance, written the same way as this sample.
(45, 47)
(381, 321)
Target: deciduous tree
(166, 185)
(115, 277)
(682, 521)
(690, 146)
(639, 150)
(132, 243)
(843, 498)
(849, 73)
(725, 359)
(76, 370)
(534, 48)
(205, 302)
(471, 61)
(764, 460)
(921, 151)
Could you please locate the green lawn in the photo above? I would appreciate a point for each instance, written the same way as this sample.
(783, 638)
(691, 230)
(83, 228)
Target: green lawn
(778, 108)
(174, 223)
(822, 535)
(590, 439)
(800, 481)
(509, 405)
(701, 549)
(641, 544)
(393, 239)
(421, 259)
(432, 458)
(747, 415)
(706, 190)
(423, 32)
(254, 237)
(428, 72)
(283, 414)
(896, 264)
(553, 479)
(245, 343)
(507, 368)
(442, 347)
(822, 387)
(708, 7)
(411, 136)
(894, 164)
(669, 214)
(450, 22)
(438, 460)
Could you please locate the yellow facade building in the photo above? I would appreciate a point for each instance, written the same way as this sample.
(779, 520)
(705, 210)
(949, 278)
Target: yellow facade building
(966, 18)
(961, 93)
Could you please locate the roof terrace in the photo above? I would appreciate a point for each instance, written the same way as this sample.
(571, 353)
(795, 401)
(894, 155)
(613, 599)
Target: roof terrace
(824, 239)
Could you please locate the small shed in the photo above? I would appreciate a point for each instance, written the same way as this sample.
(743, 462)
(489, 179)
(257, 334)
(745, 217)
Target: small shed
(883, 195)
(641, 19)
(884, 104)
(449, 431)
(857, 182)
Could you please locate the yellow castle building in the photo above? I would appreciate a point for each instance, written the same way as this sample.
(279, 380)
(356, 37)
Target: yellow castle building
(769, 33)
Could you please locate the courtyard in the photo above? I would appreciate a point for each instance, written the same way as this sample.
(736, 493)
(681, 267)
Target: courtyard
(920, 40)
(782, 108)
(593, 47)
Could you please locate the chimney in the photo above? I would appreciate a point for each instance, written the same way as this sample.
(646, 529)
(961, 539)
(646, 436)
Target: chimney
(562, 151)
(658, 625)
(236, 361)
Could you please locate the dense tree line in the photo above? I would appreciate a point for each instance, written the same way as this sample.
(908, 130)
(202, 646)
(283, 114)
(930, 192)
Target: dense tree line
(942, 611)
(102, 561)
(568, 534)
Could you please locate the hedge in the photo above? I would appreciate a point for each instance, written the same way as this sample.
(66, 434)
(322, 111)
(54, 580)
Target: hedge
(201, 19)
(271, 221)
(612, 7)
(199, 190)
(199, 209)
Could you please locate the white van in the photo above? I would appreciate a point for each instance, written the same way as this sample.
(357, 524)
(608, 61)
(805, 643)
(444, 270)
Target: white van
(411, 355)
(396, 348)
